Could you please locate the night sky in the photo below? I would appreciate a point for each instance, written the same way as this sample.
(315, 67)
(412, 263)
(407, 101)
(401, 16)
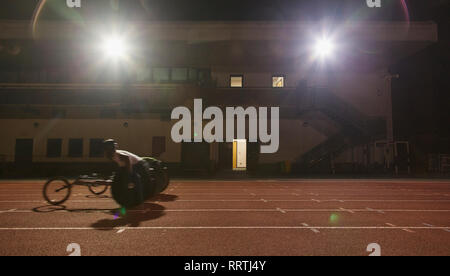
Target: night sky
(238, 9)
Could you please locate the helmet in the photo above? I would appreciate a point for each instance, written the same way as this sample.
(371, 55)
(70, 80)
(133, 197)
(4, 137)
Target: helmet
(109, 143)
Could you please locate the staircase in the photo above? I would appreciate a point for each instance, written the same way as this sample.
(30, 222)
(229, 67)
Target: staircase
(354, 127)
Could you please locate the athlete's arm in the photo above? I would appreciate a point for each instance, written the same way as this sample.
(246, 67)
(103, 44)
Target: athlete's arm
(126, 160)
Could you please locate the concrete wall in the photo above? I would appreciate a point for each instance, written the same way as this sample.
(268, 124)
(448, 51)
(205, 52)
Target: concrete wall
(367, 92)
(295, 140)
(137, 137)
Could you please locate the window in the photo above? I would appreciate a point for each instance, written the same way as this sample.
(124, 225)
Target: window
(161, 74)
(278, 81)
(54, 148)
(193, 74)
(237, 81)
(158, 145)
(204, 76)
(96, 148)
(179, 74)
(24, 151)
(75, 147)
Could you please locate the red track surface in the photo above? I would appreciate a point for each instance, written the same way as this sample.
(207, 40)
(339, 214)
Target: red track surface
(272, 217)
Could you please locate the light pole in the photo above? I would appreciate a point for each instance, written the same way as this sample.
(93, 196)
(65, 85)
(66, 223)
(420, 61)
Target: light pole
(389, 121)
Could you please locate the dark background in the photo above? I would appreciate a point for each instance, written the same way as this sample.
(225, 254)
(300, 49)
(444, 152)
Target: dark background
(241, 9)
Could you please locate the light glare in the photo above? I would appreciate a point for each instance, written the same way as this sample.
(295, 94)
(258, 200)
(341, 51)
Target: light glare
(115, 47)
(324, 47)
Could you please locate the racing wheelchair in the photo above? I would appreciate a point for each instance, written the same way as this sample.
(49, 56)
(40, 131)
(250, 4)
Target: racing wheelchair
(127, 189)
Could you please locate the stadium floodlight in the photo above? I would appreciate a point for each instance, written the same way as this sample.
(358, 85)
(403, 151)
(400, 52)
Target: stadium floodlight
(114, 47)
(324, 47)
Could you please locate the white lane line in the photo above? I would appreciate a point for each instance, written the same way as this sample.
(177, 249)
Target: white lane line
(281, 210)
(253, 194)
(393, 180)
(346, 210)
(440, 199)
(183, 181)
(216, 210)
(373, 210)
(407, 229)
(222, 194)
(406, 210)
(363, 210)
(312, 229)
(239, 200)
(41, 201)
(430, 225)
(8, 211)
(284, 210)
(226, 227)
(263, 200)
(305, 200)
(121, 231)
(369, 200)
(21, 201)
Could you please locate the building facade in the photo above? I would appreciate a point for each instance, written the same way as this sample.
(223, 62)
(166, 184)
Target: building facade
(60, 96)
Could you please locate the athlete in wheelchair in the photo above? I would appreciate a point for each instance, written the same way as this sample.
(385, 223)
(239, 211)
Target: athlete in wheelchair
(135, 179)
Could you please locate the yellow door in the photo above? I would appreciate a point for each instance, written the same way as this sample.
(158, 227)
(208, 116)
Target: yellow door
(240, 154)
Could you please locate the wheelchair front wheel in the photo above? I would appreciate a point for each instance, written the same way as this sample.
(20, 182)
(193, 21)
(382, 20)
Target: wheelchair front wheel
(57, 190)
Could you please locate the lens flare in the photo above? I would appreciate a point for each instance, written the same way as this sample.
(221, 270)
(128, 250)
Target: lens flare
(35, 17)
(405, 10)
(334, 218)
(45, 8)
(123, 211)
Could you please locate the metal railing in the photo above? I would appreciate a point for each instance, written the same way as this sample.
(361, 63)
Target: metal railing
(356, 127)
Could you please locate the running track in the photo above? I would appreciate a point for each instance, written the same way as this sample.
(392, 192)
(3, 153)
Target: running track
(250, 217)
